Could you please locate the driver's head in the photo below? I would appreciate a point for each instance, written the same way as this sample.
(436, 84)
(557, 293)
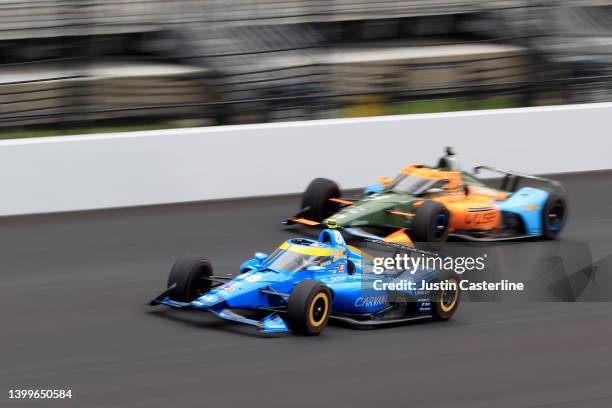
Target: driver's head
(448, 162)
(332, 223)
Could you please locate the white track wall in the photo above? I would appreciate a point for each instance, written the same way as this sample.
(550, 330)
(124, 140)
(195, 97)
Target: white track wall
(140, 168)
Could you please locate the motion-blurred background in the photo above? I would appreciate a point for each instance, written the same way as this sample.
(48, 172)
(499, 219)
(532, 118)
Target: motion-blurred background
(69, 66)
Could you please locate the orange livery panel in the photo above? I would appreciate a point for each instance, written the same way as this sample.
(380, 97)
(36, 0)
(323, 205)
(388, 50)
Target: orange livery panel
(469, 213)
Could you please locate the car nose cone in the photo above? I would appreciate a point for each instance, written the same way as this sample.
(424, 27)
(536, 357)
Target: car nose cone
(206, 301)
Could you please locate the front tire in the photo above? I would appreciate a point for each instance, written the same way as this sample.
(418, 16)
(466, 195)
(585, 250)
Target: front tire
(444, 303)
(430, 223)
(554, 215)
(316, 199)
(309, 308)
(189, 274)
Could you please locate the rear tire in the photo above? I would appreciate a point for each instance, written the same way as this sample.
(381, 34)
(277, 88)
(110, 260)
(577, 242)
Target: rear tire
(316, 198)
(309, 308)
(430, 223)
(187, 273)
(554, 215)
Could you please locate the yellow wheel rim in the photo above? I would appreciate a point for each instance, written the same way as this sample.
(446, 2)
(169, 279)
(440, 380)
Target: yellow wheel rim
(450, 306)
(316, 316)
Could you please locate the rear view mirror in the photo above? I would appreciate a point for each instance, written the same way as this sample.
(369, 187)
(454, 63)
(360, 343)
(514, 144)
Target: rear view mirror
(385, 181)
(260, 256)
(435, 190)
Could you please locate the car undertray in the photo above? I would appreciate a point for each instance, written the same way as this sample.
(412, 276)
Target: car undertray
(500, 235)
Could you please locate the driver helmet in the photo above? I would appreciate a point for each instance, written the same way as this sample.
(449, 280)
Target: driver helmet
(449, 161)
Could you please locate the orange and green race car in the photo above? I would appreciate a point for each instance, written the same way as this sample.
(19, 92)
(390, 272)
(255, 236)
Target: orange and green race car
(427, 204)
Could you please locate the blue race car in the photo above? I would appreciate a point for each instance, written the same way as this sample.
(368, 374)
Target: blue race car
(306, 282)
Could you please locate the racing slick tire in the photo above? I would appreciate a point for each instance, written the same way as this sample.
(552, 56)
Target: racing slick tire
(187, 273)
(316, 199)
(554, 215)
(430, 223)
(444, 302)
(309, 307)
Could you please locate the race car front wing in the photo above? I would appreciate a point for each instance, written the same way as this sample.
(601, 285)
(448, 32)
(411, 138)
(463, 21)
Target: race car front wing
(272, 323)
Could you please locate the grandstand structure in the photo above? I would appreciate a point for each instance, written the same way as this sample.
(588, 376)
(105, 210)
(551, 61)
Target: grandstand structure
(49, 18)
(234, 61)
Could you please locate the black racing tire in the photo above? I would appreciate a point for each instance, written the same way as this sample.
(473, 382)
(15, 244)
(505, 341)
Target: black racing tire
(187, 273)
(316, 199)
(430, 223)
(554, 215)
(444, 303)
(309, 307)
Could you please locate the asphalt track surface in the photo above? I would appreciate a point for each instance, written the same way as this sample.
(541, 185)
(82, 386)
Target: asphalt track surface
(74, 288)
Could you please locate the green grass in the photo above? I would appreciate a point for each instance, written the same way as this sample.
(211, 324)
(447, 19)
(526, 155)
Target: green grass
(434, 106)
(453, 105)
(449, 105)
(20, 134)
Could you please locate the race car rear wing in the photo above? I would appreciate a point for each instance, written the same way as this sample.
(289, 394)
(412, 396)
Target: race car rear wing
(401, 248)
(511, 179)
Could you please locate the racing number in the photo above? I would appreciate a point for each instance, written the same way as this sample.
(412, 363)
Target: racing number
(478, 218)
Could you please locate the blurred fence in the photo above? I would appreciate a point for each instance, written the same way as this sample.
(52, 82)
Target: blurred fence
(45, 18)
(73, 93)
(237, 61)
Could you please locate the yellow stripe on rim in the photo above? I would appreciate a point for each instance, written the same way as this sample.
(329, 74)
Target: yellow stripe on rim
(452, 304)
(313, 251)
(311, 320)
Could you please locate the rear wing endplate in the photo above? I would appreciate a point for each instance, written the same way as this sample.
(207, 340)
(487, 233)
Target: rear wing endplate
(512, 179)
